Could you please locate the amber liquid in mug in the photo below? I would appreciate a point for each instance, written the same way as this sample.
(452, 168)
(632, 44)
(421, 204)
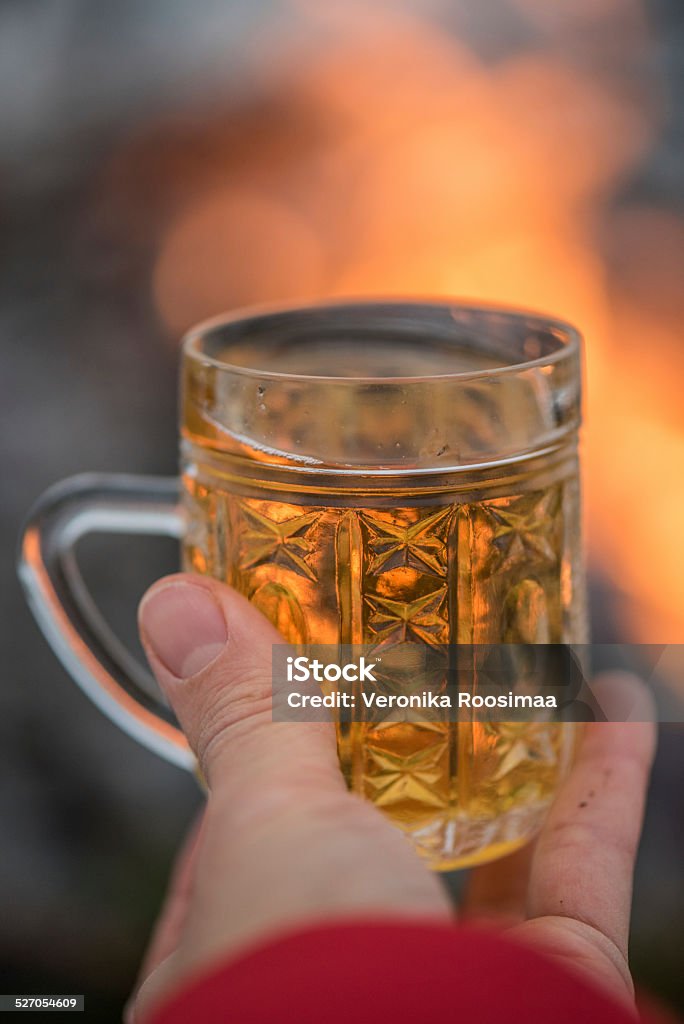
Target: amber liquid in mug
(485, 556)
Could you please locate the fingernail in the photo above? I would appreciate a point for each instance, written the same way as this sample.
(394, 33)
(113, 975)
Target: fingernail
(183, 625)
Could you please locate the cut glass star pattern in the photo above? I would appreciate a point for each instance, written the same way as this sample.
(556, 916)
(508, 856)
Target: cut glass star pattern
(523, 531)
(280, 543)
(421, 620)
(420, 545)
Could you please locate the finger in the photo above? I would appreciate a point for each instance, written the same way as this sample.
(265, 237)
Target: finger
(210, 650)
(167, 930)
(497, 892)
(169, 926)
(584, 857)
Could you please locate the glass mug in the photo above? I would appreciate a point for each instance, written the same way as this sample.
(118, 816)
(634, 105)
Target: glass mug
(364, 472)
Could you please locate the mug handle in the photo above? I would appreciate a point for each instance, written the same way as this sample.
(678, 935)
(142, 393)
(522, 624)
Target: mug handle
(72, 624)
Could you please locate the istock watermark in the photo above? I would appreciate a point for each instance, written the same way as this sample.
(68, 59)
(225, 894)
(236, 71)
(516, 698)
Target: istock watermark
(415, 682)
(302, 669)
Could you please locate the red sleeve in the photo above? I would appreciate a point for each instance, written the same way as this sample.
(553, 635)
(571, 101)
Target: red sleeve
(387, 971)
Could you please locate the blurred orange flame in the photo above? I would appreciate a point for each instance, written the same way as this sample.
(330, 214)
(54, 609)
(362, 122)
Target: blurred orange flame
(433, 173)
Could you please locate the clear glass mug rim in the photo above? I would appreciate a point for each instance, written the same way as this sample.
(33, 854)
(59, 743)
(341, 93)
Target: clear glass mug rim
(568, 338)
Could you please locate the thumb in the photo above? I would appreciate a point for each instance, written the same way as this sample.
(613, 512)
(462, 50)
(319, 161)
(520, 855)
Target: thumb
(283, 842)
(210, 650)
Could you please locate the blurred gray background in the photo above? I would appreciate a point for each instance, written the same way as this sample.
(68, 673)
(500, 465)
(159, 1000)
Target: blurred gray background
(160, 162)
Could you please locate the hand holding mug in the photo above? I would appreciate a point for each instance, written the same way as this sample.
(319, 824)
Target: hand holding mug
(283, 843)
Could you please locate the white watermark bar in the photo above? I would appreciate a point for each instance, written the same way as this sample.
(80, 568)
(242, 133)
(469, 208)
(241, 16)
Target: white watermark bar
(420, 682)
